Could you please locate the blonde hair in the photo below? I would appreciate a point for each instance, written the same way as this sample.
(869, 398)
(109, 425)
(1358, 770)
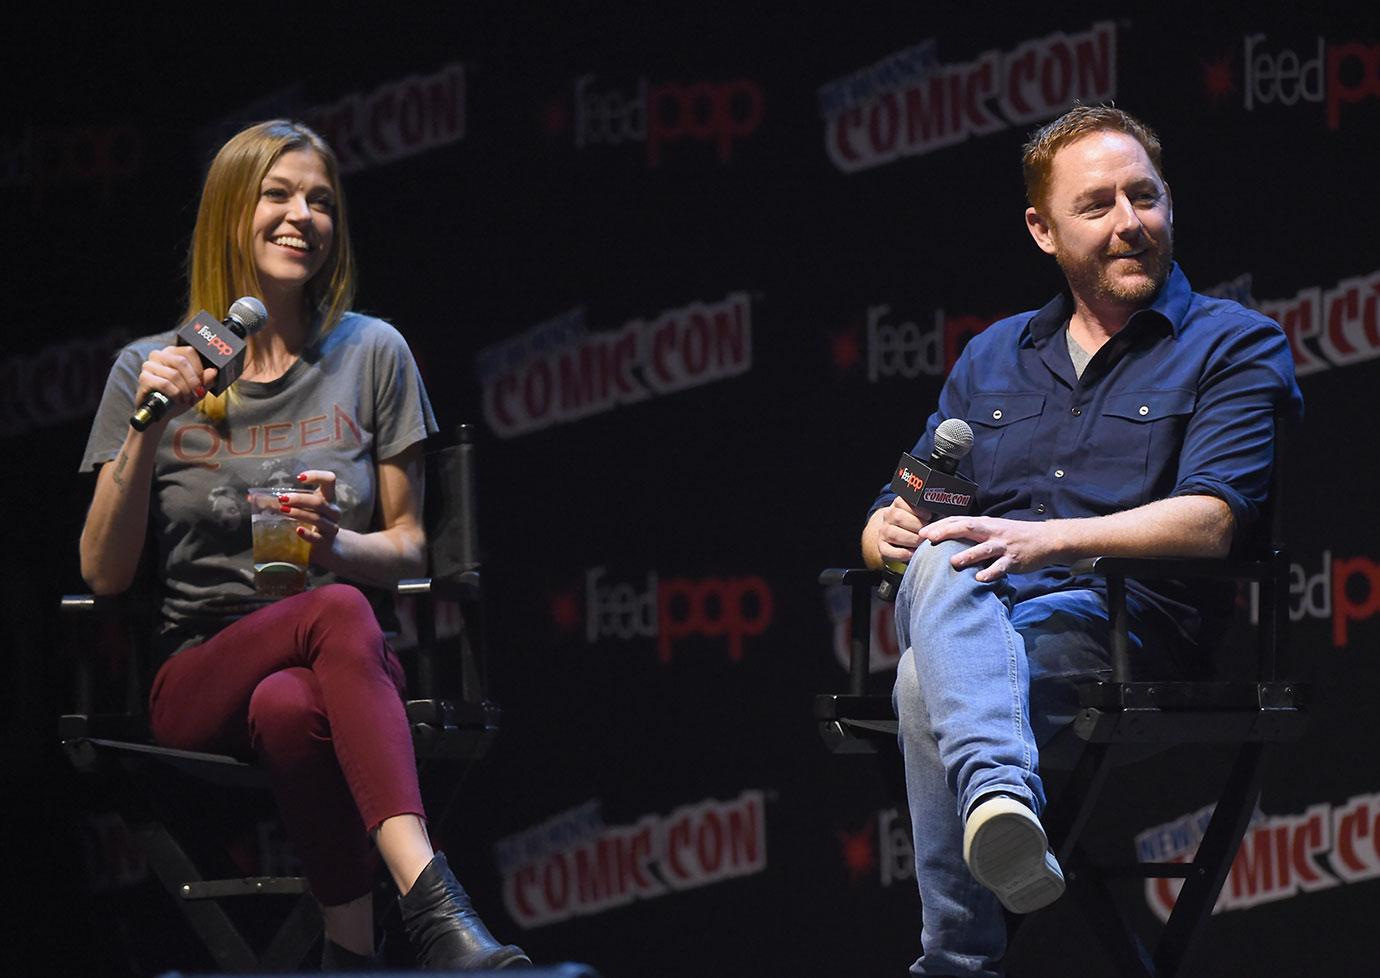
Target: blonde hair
(220, 262)
(1037, 156)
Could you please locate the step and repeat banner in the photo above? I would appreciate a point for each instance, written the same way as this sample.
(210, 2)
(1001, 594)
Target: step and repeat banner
(697, 278)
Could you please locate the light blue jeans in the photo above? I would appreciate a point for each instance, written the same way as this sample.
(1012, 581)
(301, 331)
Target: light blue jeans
(982, 683)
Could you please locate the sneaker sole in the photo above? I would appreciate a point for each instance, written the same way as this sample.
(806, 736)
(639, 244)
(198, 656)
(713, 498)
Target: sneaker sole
(1007, 851)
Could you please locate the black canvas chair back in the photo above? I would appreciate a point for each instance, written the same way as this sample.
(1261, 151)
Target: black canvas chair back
(166, 794)
(1122, 718)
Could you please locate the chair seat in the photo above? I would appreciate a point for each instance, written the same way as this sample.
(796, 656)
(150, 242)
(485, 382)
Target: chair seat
(1190, 713)
(1136, 712)
(453, 729)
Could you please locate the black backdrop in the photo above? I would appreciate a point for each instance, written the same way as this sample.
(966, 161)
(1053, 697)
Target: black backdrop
(694, 339)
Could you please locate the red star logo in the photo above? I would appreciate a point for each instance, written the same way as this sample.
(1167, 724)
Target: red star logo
(556, 117)
(859, 852)
(846, 348)
(565, 610)
(1217, 78)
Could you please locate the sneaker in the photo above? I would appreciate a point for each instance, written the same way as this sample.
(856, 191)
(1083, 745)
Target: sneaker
(1006, 850)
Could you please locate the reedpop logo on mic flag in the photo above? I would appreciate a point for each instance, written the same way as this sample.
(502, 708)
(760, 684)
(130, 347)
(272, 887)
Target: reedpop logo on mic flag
(669, 610)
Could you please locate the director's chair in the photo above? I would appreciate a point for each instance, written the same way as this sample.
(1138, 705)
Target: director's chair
(170, 797)
(1124, 718)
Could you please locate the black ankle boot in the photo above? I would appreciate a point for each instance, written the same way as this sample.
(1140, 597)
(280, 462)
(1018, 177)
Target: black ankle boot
(337, 958)
(444, 929)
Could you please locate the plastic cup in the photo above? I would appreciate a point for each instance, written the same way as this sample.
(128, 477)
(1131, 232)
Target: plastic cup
(280, 555)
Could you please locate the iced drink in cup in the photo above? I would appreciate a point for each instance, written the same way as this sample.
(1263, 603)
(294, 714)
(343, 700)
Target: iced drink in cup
(280, 555)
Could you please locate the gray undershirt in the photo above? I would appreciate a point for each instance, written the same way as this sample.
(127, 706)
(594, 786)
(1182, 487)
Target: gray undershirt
(1077, 354)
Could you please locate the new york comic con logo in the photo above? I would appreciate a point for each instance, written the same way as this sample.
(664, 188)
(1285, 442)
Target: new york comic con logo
(727, 611)
(1319, 72)
(1281, 856)
(559, 371)
(910, 104)
(658, 115)
(398, 119)
(575, 865)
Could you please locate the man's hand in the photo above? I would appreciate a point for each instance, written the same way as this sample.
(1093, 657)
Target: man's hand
(1004, 546)
(898, 530)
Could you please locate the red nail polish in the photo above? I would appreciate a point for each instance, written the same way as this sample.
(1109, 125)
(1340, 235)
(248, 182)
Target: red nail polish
(284, 499)
(301, 478)
(200, 391)
(301, 532)
(287, 509)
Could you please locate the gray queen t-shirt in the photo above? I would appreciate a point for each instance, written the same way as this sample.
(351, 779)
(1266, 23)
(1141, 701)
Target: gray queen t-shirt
(354, 398)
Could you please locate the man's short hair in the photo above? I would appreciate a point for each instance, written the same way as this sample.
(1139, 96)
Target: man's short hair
(1037, 158)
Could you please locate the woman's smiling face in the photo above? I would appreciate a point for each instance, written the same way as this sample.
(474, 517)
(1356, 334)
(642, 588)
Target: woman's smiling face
(294, 221)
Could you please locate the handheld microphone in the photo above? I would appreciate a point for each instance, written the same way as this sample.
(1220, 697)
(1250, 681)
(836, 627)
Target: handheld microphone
(219, 344)
(932, 486)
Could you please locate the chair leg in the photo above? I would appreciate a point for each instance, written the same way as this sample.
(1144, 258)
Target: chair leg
(176, 871)
(1098, 906)
(295, 936)
(1067, 815)
(1213, 861)
(170, 863)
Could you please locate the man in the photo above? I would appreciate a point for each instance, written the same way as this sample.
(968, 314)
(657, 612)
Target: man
(1129, 416)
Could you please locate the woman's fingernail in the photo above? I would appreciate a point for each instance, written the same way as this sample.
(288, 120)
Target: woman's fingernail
(287, 509)
(200, 391)
(301, 531)
(284, 499)
(301, 478)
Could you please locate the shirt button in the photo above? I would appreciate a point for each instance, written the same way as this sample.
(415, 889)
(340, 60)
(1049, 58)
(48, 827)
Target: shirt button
(1144, 410)
(1077, 412)
(1058, 473)
(1040, 508)
(996, 415)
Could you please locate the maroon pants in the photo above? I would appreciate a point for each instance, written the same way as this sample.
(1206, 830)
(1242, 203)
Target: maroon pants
(311, 687)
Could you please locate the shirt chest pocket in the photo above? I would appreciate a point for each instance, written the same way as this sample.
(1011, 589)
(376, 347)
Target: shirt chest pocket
(1003, 430)
(1133, 452)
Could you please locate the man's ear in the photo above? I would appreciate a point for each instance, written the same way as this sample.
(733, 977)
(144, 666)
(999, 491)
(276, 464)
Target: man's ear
(1040, 230)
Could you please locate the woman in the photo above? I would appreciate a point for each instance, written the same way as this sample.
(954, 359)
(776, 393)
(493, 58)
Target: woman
(332, 399)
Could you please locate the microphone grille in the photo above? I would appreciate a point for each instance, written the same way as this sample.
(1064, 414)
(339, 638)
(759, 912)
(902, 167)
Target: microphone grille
(953, 438)
(250, 313)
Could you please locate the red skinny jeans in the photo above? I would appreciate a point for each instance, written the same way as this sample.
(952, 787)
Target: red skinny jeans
(311, 687)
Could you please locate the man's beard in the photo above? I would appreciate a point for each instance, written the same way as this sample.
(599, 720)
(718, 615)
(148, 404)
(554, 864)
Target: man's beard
(1091, 277)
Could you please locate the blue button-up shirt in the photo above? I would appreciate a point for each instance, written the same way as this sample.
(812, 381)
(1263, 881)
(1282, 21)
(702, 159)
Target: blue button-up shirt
(1179, 402)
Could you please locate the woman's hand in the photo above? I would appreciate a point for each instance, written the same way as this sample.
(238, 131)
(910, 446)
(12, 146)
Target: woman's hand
(315, 510)
(176, 373)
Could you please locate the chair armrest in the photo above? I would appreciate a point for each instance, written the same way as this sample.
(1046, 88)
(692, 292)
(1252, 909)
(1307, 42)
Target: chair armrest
(850, 577)
(1212, 568)
(79, 604)
(463, 586)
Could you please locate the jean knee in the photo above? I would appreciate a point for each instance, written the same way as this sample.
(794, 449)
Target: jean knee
(908, 699)
(929, 568)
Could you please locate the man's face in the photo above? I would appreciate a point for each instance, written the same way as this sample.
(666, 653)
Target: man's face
(1107, 220)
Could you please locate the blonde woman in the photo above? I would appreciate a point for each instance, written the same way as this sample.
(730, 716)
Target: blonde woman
(306, 683)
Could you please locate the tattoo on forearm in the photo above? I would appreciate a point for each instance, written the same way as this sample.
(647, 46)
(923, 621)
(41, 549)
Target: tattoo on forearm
(120, 468)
